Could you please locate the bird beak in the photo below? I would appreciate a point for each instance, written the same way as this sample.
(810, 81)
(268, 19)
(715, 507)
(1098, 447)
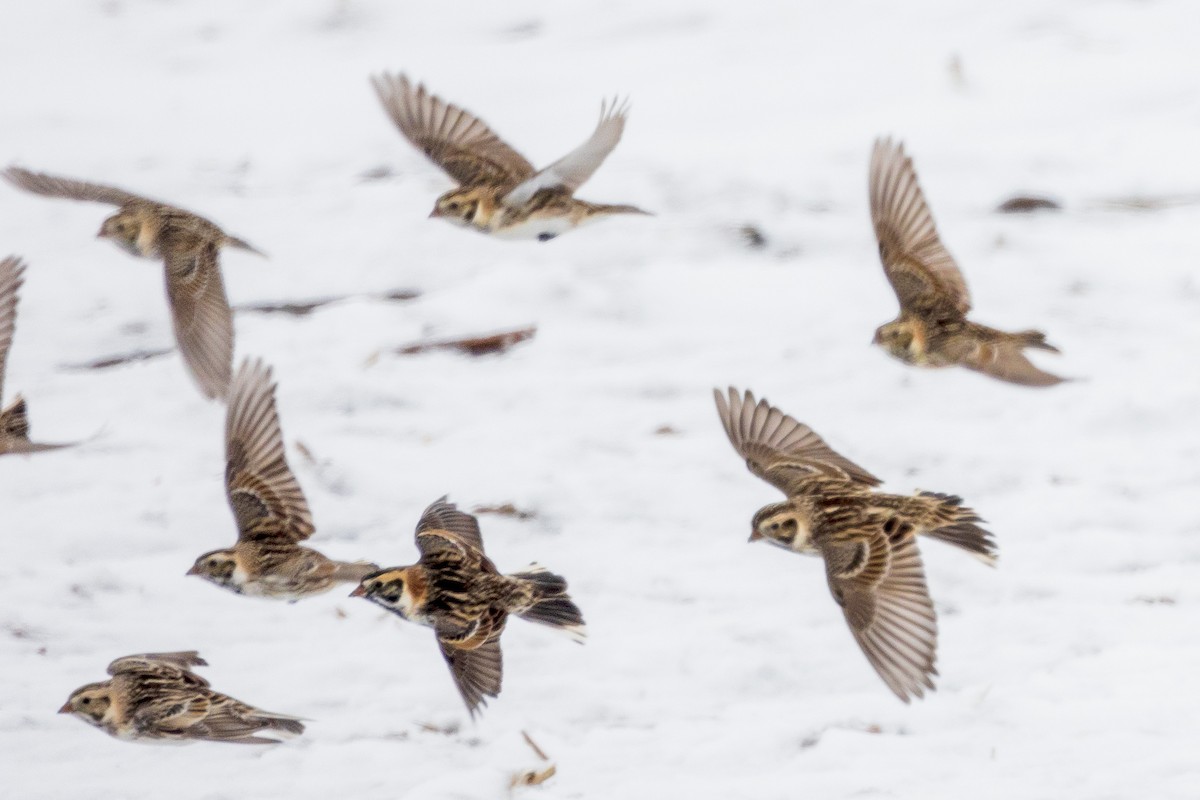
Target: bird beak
(359, 591)
(435, 213)
(754, 536)
(194, 570)
(66, 709)
(876, 339)
(100, 234)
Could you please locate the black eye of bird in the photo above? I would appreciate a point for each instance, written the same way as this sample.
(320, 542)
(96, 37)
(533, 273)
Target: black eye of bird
(86, 700)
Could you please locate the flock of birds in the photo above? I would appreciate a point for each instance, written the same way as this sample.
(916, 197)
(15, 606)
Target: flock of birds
(867, 539)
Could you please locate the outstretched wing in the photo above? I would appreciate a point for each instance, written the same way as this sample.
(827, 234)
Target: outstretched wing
(570, 171)
(54, 186)
(165, 667)
(922, 272)
(477, 671)
(201, 315)
(443, 526)
(12, 270)
(880, 586)
(779, 449)
(263, 493)
(453, 138)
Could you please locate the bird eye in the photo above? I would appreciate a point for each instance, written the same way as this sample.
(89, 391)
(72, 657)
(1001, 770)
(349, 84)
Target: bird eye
(774, 526)
(86, 700)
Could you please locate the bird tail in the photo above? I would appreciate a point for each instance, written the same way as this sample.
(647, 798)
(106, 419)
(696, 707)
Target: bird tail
(242, 244)
(283, 723)
(604, 208)
(958, 526)
(14, 420)
(1036, 340)
(549, 602)
(354, 571)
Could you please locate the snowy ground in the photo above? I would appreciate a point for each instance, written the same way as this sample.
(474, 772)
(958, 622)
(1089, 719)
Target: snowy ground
(715, 669)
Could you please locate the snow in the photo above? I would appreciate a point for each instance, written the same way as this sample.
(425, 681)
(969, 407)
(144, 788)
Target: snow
(714, 669)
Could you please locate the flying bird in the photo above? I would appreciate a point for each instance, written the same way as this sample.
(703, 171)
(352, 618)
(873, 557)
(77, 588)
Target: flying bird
(271, 512)
(14, 420)
(156, 698)
(932, 329)
(499, 192)
(189, 246)
(867, 539)
(456, 590)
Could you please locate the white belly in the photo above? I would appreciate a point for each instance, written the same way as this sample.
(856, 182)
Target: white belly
(536, 228)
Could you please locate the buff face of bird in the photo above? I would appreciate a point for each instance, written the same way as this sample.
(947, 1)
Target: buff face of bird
(458, 207)
(899, 338)
(220, 567)
(782, 525)
(125, 231)
(90, 703)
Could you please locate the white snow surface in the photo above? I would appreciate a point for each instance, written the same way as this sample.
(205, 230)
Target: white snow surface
(714, 668)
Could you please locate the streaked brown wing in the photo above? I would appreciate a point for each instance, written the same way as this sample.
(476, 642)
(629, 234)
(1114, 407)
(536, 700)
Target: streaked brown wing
(881, 589)
(570, 171)
(454, 139)
(202, 318)
(169, 711)
(224, 719)
(779, 449)
(1005, 361)
(53, 186)
(920, 269)
(169, 667)
(477, 672)
(443, 523)
(265, 497)
(12, 270)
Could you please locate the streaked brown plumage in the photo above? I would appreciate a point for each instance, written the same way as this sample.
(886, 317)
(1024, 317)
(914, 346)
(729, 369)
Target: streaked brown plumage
(932, 329)
(14, 420)
(189, 246)
(271, 512)
(456, 590)
(866, 538)
(499, 192)
(156, 698)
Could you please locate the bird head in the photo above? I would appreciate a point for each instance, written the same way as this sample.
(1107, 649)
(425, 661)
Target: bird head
(90, 703)
(217, 567)
(897, 338)
(458, 207)
(123, 229)
(388, 588)
(778, 523)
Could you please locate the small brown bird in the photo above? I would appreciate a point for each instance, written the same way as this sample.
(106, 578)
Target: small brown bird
(14, 420)
(867, 538)
(456, 590)
(932, 329)
(499, 192)
(156, 698)
(271, 512)
(189, 246)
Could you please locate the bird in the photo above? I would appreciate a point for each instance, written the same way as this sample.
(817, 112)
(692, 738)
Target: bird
(866, 538)
(455, 589)
(155, 698)
(499, 192)
(932, 329)
(14, 420)
(189, 246)
(269, 507)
